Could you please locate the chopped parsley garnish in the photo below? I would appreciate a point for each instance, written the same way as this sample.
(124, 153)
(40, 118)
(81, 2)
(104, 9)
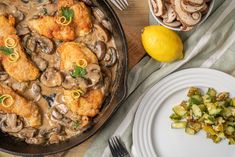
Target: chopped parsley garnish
(79, 71)
(67, 13)
(6, 51)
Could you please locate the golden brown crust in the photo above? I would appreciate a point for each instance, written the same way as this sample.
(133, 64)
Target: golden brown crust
(82, 19)
(48, 27)
(7, 25)
(88, 105)
(64, 3)
(23, 69)
(80, 25)
(72, 52)
(22, 107)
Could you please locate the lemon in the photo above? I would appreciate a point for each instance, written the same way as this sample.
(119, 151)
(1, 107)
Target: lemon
(162, 44)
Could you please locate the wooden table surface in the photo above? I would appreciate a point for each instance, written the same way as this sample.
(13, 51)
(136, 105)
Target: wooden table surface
(133, 20)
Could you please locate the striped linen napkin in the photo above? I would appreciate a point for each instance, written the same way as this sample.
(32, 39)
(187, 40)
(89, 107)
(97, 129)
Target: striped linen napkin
(212, 45)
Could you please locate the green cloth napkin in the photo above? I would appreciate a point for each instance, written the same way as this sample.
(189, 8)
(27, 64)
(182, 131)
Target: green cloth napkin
(211, 45)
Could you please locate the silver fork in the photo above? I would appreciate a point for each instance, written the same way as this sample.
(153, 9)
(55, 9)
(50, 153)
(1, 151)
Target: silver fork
(117, 147)
(120, 4)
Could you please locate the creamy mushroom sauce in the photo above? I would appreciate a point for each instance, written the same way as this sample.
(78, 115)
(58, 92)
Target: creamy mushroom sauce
(58, 122)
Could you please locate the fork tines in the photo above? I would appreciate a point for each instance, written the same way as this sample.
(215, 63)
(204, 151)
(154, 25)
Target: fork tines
(120, 4)
(117, 148)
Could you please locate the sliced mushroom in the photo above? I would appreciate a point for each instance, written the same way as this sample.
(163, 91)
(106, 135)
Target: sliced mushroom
(106, 23)
(38, 43)
(50, 99)
(56, 114)
(55, 138)
(11, 124)
(194, 2)
(59, 98)
(22, 30)
(196, 15)
(99, 15)
(51, 78)
(100, 49)
(62, 108)
(70, 83)
(171, 15)
(88, 2)
(27, 133)
(2, 117)
(101, 33)
(25, 1)
(185, 17)
(93, 74)
(40, 62)
(44, 44)
(205, 9)
(159, 4)
(110, 57)
(190, 8)
(35, 140)
(63, 121)
(186, 28)
(35, 92)
(19, 86)
(106, 85)
(29, 43)
(3, 76)
(172, 24)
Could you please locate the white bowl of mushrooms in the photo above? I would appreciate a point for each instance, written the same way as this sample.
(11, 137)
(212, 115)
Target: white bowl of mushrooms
(181, 15)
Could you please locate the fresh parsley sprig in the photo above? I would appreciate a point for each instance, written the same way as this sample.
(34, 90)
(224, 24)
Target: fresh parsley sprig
(5, 50)
(67, 13)
(79, 71)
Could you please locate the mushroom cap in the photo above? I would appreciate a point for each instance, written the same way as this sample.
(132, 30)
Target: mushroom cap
(102, 33)
(51, 78)
(191, 8)
(185, 17)
(11, 124)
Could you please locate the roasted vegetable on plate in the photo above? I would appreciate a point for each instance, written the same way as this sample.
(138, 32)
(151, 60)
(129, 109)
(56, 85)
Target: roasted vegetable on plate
(212, 112)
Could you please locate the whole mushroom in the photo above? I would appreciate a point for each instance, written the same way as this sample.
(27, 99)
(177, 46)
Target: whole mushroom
(51, 77)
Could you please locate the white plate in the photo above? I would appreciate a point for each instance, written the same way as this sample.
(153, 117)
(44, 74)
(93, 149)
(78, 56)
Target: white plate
(152, 133)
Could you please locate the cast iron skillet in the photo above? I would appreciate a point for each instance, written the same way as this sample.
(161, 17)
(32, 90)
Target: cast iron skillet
(10, 145)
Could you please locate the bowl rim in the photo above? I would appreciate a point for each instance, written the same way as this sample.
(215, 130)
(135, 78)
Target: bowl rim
(177, 28)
